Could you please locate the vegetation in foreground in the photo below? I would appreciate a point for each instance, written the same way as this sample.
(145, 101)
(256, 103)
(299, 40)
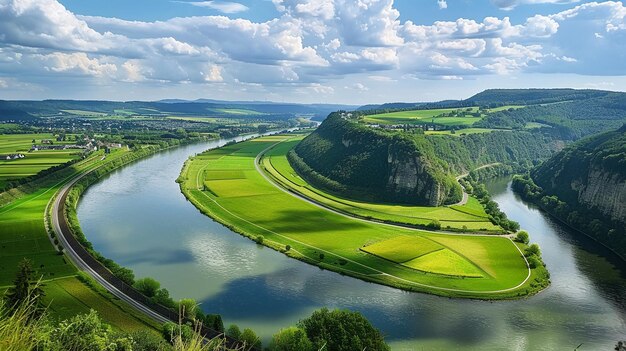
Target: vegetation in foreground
(225, 185)
(26, 325)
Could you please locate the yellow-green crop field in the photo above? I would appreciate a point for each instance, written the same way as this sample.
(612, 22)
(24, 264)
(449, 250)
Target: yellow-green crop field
(475, 266)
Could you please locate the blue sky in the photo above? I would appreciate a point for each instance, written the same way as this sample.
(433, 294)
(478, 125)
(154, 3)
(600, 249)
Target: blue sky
(340, 51)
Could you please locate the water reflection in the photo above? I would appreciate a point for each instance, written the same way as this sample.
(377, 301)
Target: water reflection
(138, 217)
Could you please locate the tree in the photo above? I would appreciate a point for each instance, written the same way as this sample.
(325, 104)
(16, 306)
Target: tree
(533, 261)
(87, 332)
(188, 308)
(233, 331)
(291, 339)
(531, 250)
(146, 340)
(214, 321)
(147, 286)
(24, 289)
(250, 339)
(342, 330)
(522, 237)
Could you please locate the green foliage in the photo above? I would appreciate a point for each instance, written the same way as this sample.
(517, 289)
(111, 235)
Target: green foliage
(357, 161)
(24, 289)
(146, 340)
(342, 330)
(147, 286)
(172, 332)
(532, 250)
(291, 339)
(188, 308)
(434, 224)
(249, 337)
(584, 114)
(214, 321)
(233, 331)
(522, 236)
(87, 332)
(496, 216)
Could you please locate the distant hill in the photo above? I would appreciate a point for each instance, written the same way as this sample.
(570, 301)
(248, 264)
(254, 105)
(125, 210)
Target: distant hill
(502, 97)
(208, 108)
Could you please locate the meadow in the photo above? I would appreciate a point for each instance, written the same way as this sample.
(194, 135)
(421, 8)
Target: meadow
(23, 234)
(226, 185)
(426, 116)
(470, 216)
(34, 161)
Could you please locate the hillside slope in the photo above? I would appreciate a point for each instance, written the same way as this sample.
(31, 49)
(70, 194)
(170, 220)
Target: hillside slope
(585, 186)
(591, 172)
(357, 161)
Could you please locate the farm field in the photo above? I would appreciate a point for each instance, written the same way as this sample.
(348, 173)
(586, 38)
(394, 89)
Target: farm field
(425, 116)
(23, 235)
(34, 161)
(225, 185)
(470, 216)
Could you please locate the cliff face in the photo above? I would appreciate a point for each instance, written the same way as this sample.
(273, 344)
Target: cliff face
(591, 173)
(373, 165)
(603, 190)
(409, 177)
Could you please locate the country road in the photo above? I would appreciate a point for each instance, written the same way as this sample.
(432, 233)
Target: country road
(465, 196)
(61, 228)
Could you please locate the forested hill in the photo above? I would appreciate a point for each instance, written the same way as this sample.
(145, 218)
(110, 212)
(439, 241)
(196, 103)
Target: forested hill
(406, 167)
(572, 114)
(585, 185)
(502, 97)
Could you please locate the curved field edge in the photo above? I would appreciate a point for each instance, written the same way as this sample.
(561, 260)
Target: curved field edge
(464, 218)
(344, 260)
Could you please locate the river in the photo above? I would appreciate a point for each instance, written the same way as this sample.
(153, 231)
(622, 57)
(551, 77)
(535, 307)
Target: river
(138, 217)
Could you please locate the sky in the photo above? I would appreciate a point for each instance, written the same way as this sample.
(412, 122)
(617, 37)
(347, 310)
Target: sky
(309, 51)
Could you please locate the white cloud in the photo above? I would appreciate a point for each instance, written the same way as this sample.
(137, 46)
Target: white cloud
(511, 4)
(3, 84)
(442, 4)
(221, 6)
(77, 63)
(213, 74)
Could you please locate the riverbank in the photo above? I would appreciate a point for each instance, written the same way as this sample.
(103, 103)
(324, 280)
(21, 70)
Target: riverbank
(296, 232)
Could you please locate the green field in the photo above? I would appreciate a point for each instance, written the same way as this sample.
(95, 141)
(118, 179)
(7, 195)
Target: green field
(471, 216)
(424, 116)
(23, 234)
(34, 161)
(253, 206)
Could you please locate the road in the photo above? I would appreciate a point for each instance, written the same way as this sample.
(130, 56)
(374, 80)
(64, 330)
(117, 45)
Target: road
(465, 196)
(61, 228)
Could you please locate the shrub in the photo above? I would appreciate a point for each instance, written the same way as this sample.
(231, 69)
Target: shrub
(259, 239)
(434, 224)
(147, 286)
(522, 237)
(233, 331)
(342, 330)
(291, 339)
(250, 338)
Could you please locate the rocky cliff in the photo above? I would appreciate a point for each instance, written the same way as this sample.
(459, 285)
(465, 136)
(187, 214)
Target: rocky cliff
(369, 164)
(591, 173)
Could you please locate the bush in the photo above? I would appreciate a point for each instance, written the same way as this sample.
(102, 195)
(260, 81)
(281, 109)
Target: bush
(259, 239)
(233, 331)
(188, 308)
(342, 330)
(250, 338)
(291, 339)
(534, 261)
(287, 247)
(531, 250)
(522, 237)
(173, 331)
(434, 224)
(147, 286)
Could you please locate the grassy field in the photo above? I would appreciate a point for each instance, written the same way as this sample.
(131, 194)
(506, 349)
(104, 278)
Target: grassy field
(251, 205)
(34, 161)
(424, 116)
(461, 132)
(23, 234)
(471, 216)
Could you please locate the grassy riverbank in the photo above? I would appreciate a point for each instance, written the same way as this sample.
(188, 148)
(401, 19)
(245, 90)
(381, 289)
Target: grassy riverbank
(225, 185)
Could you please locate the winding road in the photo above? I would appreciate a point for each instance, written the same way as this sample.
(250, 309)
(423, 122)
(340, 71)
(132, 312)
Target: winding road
(62, 230)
